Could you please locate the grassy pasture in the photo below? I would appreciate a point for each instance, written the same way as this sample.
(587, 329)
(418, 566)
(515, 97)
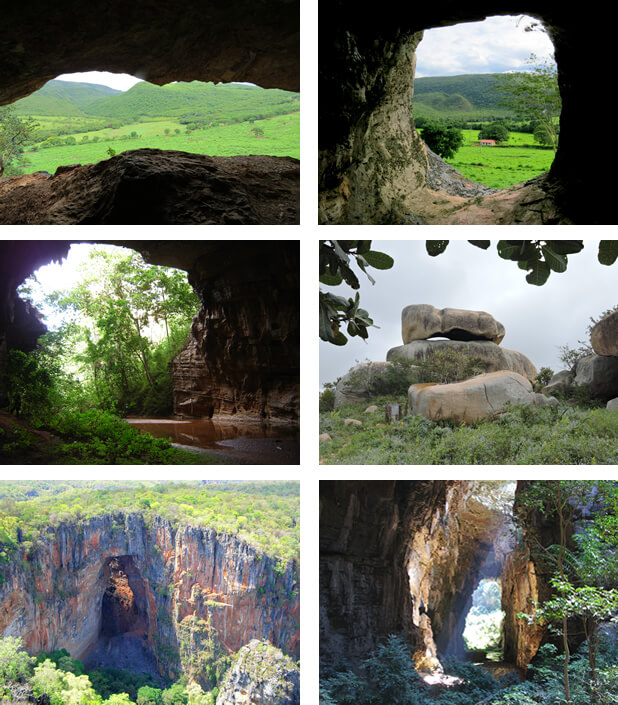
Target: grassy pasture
(516, 161)
(281, 138)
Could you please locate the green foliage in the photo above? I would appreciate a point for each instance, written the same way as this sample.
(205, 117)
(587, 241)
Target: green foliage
(14, 133)
(15, 664)
(538, 257)
(336, 258)
(29, 385)
(524, 435)
(494, 131)
(442, 139)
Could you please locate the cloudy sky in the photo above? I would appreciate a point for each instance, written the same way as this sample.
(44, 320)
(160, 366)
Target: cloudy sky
(496, 45)
(537, 319)
(119, 81)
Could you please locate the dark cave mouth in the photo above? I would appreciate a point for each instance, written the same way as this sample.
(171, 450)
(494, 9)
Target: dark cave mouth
(123, 640)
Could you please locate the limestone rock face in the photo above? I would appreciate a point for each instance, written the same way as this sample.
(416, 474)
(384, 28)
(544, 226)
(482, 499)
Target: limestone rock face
(156, 187)
(494, 357)
(214, 577)
(261, 675)
(160, 42)
(604, 335)
(422, 321)
(599, 375)
(476, 398)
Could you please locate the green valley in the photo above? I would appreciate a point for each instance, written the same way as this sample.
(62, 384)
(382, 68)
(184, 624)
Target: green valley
(82, 123)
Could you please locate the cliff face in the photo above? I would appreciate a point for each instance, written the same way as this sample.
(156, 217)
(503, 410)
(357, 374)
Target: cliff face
(113, 584)
(406, 557)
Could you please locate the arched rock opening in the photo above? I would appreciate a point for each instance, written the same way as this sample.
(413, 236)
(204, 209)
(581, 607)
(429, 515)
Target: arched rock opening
(159, 42)
(243, 353)
(373, 167)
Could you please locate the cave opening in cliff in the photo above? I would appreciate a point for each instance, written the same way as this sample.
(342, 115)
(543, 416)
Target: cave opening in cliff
(496, 81)
(482, 633)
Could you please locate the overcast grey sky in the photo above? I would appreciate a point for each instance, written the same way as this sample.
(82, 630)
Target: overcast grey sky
(495, 45)
(537, 319)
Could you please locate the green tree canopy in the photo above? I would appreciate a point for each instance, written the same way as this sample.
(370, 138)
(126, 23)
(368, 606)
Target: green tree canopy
(14, 133)
(442, 139)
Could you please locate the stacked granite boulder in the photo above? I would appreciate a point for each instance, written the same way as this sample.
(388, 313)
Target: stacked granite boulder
(476, 333)
(597, 373)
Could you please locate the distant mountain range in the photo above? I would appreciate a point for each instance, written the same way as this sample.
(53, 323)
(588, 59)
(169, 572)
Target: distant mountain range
(145, 100)
(469, 96)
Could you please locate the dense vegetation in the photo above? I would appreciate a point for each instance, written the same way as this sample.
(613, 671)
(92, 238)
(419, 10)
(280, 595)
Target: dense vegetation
(264, 514)
(118, 328)
(548, 435)
(85, 123)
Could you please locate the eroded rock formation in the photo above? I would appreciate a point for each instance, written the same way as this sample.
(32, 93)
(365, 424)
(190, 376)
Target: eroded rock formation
(422, 321)
(406, 556)
(373, 166)
(156, 187)
(243, 354)
(109, 583)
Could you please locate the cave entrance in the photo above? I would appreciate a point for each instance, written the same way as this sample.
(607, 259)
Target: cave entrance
(123, 640)
(483, 634)
(509, 132)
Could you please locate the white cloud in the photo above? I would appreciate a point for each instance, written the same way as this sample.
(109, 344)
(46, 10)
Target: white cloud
(537, 319)
(119, 81)
(495, 45)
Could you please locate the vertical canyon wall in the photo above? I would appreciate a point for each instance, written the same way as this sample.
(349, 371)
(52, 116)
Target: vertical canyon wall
(52, 592)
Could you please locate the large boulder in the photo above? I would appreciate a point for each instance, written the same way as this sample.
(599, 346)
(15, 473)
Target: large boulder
(422, 321)
(604, 335)
(599, 375)
(612, 404)
(355, 385)
(474, 399)
(560, 383)
(494, 357)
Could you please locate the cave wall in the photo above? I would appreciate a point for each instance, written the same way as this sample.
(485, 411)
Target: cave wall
(154, 40)
(405, 557)
(373, 167)
(52, 592)
(243, 354)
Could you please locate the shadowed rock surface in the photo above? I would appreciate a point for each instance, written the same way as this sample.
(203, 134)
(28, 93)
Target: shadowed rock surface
(374, 167)
(151, 186)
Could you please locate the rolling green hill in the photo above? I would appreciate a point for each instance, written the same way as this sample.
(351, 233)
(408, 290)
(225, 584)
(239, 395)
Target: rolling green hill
(63, 98)
(467, 97)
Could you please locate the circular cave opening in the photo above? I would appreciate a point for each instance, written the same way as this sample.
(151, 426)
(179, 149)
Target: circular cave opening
(123, 639)
(494, 81)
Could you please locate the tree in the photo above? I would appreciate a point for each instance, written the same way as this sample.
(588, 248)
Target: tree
(494, 131)
(15, 664)
(443, 139)
(336, 257)
(14, 133)
(534, 95)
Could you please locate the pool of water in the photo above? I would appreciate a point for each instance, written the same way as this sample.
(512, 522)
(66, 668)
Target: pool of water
(243, 442)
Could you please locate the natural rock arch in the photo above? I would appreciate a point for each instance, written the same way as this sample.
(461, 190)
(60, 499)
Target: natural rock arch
(373, 166)
(243, 355)
(159, 42)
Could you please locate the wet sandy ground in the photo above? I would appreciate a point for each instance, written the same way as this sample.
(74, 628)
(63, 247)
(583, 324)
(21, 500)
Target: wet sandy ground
(243, 443)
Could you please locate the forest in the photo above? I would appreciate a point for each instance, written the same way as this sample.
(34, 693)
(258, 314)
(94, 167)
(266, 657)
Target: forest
(562, 644)
(105, 356)
(265, 514)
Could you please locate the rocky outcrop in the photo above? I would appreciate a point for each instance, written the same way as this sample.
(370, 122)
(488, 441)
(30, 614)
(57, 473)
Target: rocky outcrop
(214, 42)
(53, 592)
(422, 321)
(493, 357)
(156, 187)
(355, 387)
(598, 374)
(604, 335)
(261, 675)
(243, 354)
(481, 397)
(373, 168)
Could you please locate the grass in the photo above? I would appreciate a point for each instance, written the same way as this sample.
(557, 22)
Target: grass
(502, 166)
(280, 139)
(562, 435)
